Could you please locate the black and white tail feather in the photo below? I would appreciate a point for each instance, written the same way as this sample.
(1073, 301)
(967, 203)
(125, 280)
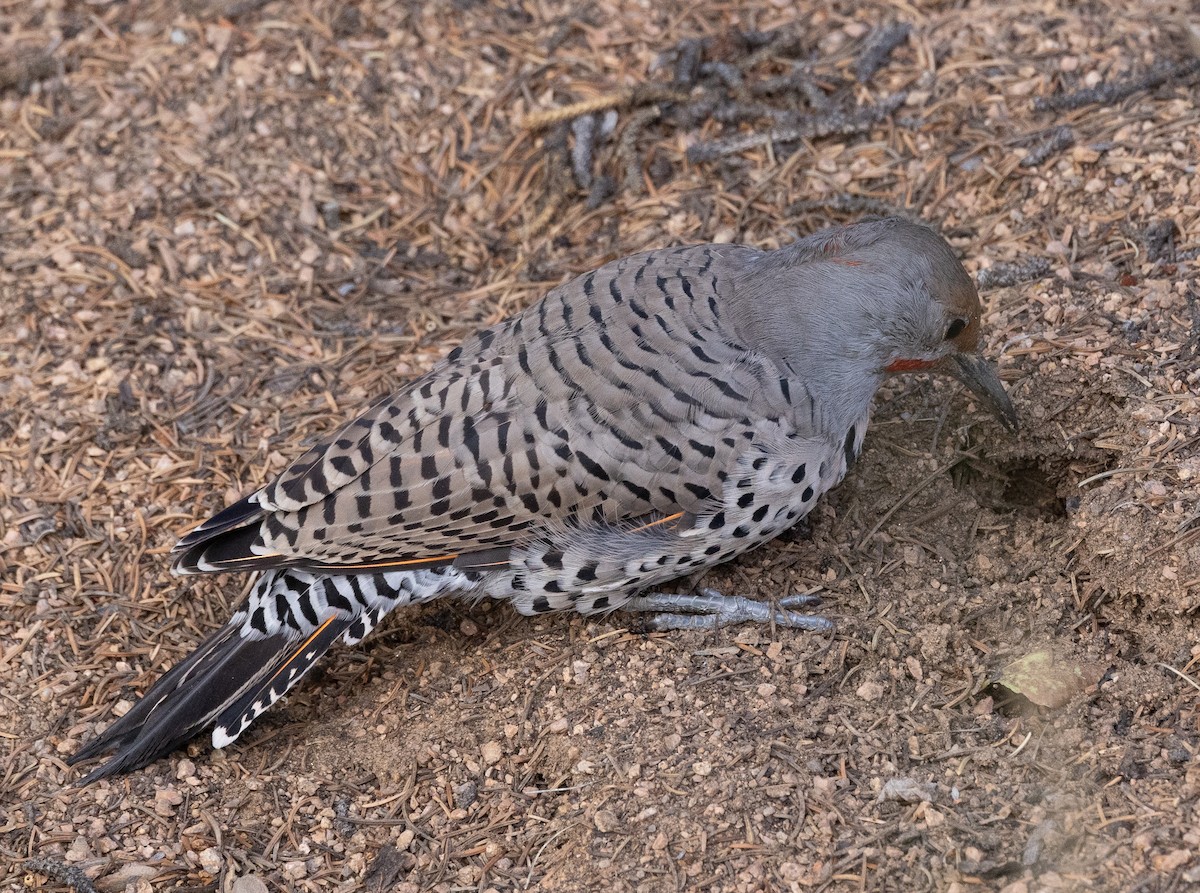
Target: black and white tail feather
(285, 625)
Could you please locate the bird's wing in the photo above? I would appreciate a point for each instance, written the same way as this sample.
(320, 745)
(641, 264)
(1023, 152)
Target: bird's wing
(606, 400)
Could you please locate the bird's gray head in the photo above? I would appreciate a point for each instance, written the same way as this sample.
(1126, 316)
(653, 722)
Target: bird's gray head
(846, 307)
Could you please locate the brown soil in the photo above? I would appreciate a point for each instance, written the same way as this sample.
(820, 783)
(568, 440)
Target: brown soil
(224, 229)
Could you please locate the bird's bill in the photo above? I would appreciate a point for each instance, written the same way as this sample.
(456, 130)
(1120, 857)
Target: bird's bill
(982, 379)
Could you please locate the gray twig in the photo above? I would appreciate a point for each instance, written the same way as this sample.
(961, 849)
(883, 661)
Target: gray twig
(603, 188)
(734, 112)
(583, 129)
(687, 63)
(1115, 91)
(837, 122)
(63, 873)
(1058, 139)
(1007, 275)
(627, 147)
(727, 73)
(879, 48)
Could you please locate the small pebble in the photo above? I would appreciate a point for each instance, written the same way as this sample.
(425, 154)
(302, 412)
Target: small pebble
(605, 821)
(294, 871)
(491, 753)
(465, 794)
(79, 851)
(211, 861)
(249, 884)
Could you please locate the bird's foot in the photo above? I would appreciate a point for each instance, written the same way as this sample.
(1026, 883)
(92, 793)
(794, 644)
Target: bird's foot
(709, 609)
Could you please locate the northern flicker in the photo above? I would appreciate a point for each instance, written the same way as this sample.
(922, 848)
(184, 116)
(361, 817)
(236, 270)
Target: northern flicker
(656, 416)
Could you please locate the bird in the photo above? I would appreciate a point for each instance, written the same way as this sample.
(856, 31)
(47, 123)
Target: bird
(649, 419)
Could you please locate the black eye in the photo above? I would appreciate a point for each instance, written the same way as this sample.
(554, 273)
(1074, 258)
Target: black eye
(956, 328)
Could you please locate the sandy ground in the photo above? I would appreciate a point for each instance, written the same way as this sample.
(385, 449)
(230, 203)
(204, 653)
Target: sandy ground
(224, 229)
